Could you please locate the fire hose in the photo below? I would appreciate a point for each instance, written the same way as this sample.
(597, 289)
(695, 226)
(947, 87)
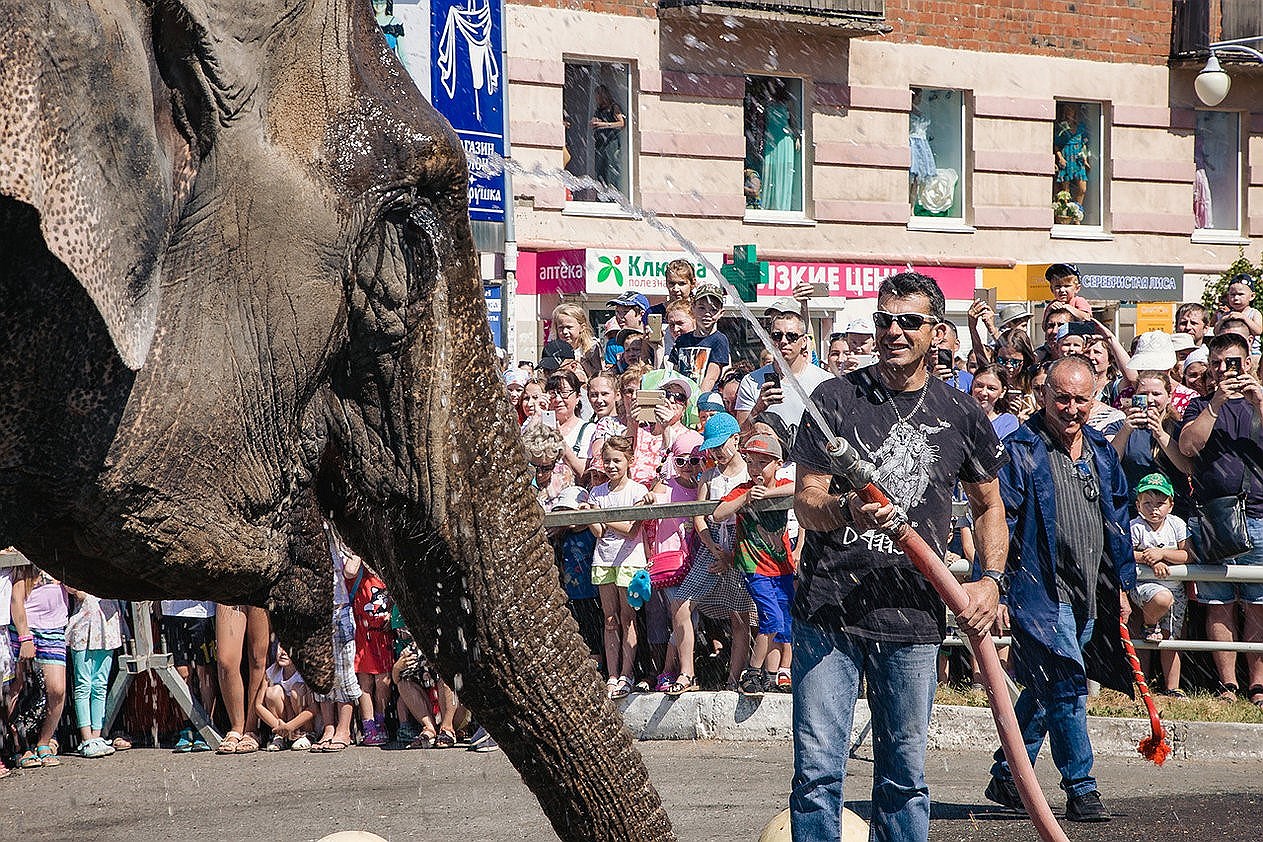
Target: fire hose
(861, 477)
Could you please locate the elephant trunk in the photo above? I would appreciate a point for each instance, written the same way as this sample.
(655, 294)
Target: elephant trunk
(476, 580)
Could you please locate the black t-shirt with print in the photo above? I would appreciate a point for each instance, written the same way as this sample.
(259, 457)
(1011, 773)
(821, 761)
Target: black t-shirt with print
(692, 354)
(1232, 458)
(861, 582)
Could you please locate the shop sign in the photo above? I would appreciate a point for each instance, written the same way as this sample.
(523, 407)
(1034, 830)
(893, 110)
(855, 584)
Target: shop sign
(558, 272)
(1131, 282)
(1153, 316)
(491, 295)
(611, 271)
(861, 280)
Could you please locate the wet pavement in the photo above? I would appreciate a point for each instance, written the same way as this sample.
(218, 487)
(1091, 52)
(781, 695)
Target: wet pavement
(714, 791)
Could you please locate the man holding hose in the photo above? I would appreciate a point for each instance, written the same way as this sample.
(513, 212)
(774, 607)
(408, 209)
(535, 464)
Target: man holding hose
(862, 612)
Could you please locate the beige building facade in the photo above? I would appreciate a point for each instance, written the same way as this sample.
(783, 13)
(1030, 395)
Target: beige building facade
(848, 147)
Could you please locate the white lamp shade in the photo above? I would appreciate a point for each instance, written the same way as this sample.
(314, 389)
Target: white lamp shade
(1212, 83)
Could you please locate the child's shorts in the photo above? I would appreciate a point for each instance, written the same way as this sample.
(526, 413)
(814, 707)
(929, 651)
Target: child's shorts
(1173, 622)
(620, 575)
(772, 596)
(190, 640)
(50, 645)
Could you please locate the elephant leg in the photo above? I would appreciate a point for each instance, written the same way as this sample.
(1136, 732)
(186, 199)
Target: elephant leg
(301, 601)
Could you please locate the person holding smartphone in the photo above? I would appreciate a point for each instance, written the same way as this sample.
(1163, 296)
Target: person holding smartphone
(762, 390)
(1221, 436)
(941, 361)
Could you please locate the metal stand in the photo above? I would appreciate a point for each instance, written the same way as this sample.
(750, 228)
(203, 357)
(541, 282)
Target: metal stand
(161, 664)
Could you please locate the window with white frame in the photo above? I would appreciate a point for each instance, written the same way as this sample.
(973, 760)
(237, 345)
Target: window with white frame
(597, 114)
(773, 177)
(1217, 171)
(936, 140)
(1078, 175)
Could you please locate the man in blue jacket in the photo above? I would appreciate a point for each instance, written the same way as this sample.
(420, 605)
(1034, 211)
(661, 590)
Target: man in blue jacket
(1069, 568)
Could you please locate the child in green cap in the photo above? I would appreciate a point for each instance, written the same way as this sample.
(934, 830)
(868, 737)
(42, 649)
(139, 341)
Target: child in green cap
(1160, 539)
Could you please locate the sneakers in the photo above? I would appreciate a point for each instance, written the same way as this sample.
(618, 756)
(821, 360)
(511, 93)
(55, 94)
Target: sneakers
(665, 680)
(1004, 792)
(303, 743)
(753, 683)
(482, 742)
(183, 741)
(95, 747)
(784, 682)
(1086, 808)
(277, 743)
(374, 733)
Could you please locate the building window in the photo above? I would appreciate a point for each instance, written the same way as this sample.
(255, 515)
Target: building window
(773, 178)
(597, 113)
(1077, 172)
(1217, 175)
(936, 139)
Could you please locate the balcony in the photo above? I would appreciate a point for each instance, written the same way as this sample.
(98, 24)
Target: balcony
(1196, 23)
(854, 17)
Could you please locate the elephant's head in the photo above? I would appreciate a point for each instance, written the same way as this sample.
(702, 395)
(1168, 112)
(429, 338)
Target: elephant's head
(241, 297)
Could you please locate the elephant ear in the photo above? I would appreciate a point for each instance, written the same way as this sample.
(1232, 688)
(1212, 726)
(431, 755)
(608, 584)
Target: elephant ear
(79, 142)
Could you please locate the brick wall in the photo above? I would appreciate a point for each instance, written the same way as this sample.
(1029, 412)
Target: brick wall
(1135, 31)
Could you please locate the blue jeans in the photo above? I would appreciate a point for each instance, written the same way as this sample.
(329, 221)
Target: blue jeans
(828, 666)
(1063, 719)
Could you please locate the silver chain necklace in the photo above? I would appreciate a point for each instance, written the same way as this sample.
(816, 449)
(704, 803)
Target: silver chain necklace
(903, 419)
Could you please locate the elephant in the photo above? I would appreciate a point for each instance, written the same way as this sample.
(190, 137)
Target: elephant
(242, 301)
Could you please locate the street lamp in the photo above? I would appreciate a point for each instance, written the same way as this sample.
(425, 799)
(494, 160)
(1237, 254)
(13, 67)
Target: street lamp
(1213, 82)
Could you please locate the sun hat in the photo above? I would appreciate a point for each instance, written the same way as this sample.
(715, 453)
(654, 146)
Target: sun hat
(1154, 352)
(690, 388)
(719, 428)
(863, 326)
(711, 402)
(784, 305)
(1155, 482)
(570, 498)
(630, 298)
(517, 377)
(1182, 342)
(1199, 355)
(686, 442)
(765, 444)
(708, 289)
(1011, 313)
(639, 589)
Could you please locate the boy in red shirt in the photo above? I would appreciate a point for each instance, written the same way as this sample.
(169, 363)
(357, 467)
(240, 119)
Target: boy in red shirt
(762, 552)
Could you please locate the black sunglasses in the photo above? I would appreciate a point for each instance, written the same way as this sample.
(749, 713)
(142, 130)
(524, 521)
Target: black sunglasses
(683, 461)
(907, 321)
(1011, 362)
(676, 397)
(778, 335)
(1091, 490)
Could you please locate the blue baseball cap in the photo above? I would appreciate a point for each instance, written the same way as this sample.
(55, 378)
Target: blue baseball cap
(711, 402)
(631, 298)
(639, 589)
(719, 428)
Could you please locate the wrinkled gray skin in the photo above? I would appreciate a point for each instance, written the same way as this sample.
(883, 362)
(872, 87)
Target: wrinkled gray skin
(239, 291)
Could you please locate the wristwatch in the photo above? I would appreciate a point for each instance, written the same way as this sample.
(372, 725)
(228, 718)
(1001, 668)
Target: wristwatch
(1001, 582)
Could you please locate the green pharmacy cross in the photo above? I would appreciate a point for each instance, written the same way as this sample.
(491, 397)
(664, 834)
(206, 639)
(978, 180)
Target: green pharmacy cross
(745, 272)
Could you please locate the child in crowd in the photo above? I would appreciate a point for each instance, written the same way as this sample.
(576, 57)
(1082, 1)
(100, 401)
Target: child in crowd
(573, 548)
(763, 554)
(1159, 539)
(374, 652)
(713, 555)
(337, 706)
(532, 403)
(1063, 280)
(414, 680)
(93, 632)
(1238, 298)
(671, 541)
(188, 630)
(619, 554)
(285, 705)
(703, 354)
(38, 637)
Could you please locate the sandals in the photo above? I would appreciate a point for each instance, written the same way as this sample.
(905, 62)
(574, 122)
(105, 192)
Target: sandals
(248, 744)
(683, 683)
(425, 739)
(622, 688)
(230, 742)
(122, 743)
(1255, 694)
(46, 755)
(1153, 633)
(1226, 692)
(445, 739)
(29, 761)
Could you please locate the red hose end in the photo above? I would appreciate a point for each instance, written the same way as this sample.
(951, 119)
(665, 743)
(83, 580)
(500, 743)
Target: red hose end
(1155, 748)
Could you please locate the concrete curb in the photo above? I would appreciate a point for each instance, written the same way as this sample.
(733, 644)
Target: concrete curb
(729, 716)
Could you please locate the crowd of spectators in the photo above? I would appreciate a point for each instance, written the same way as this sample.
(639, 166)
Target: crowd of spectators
(658, 410)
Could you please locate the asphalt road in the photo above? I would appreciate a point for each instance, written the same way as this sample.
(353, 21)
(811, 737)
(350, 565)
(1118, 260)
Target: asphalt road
(713, 790)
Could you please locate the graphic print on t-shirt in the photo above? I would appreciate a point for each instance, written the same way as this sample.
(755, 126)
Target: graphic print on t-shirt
(692, 362)
(904, 462)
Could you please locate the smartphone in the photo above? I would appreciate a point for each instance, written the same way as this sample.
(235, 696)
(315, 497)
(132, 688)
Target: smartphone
(655, 328)
(1140, 401)
(820, 290)
(773, 379)
(944, 357)
(989, 296)
(1233, 365)
(646, 400)
(1081, 328)
(548, 418)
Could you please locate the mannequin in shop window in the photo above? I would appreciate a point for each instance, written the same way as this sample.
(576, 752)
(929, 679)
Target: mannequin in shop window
(1071, 151)
(1203, 210)
(392, 28)
(608, 121)
(782, 142)
(932, 190)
